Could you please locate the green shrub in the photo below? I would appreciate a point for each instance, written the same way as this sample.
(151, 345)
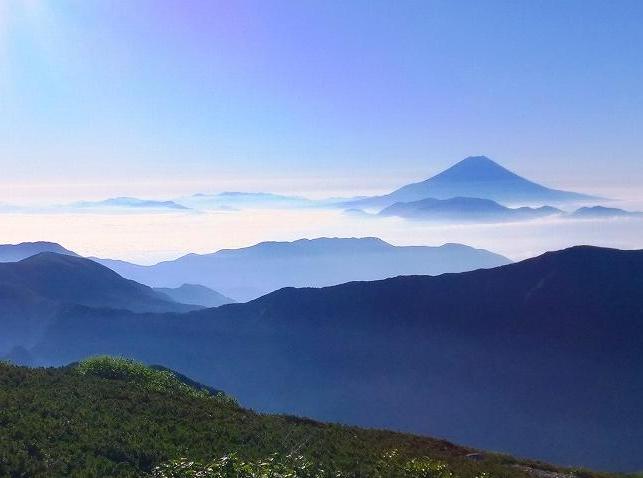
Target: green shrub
(163, 381)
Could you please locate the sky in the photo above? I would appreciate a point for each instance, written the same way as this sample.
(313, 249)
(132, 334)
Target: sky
(158, 98)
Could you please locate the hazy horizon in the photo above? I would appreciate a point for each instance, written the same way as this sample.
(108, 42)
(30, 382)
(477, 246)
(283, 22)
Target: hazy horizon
(147, 238)
(313, 187)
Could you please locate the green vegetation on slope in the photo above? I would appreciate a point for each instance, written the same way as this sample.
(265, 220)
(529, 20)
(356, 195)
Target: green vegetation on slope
(116, 418)
(150, 379)
(389, 465)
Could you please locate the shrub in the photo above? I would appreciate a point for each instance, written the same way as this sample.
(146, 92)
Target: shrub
(231, 466)
(163, 381)
(391, 465)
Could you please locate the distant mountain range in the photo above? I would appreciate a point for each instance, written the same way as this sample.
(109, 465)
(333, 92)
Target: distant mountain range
(243, 200)
(475, 210)
(17, 252)
(250, 272)
(225, 201)
(195, 294)
(33, 289)
(539, 358)
(460, 209)
(599, 212)
(474, 177)
(128, 202)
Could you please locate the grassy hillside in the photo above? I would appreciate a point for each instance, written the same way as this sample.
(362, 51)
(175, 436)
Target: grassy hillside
(110, 417)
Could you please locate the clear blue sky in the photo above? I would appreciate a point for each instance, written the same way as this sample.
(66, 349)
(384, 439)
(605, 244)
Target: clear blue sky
(107, 93)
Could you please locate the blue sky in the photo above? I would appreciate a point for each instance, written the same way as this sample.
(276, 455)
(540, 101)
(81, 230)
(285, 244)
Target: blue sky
(160, 97)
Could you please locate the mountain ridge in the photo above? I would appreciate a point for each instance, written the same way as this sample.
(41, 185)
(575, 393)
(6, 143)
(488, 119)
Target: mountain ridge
(604, 212)
(475, 177)
(34, 289)
(249, 272)
(464, 209)
(22, 250)
(130, 202)
(195, 294)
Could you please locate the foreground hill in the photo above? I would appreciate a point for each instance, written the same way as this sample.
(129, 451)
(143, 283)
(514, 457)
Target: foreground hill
(461, 209)
(33, 289)
(110, 417)
(540, 358)
(474, 177)
(250, 272)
